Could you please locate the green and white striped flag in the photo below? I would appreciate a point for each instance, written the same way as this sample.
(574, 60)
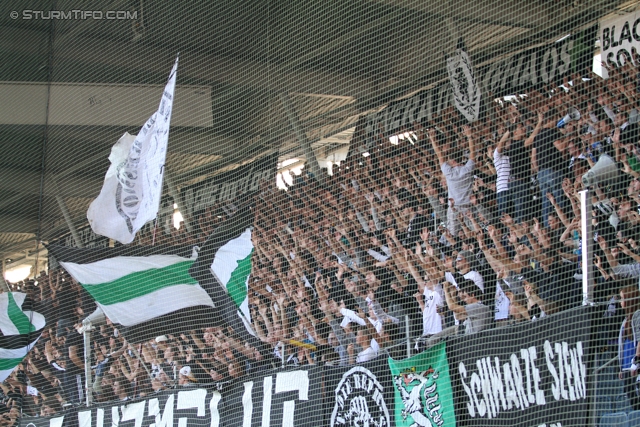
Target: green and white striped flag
(148, 290)
(232, 267)
(223, 268)
(20, 331)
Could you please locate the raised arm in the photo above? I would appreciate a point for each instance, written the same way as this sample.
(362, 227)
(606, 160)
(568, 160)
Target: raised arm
(502, 142)
(563, 218)
(459, 311)
(431, 133)
(468, 132)
(529, 141)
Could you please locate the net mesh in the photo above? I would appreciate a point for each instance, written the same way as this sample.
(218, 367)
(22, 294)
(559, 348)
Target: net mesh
(365, 213)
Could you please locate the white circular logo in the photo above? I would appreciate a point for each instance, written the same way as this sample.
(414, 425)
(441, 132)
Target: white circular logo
(360, 401)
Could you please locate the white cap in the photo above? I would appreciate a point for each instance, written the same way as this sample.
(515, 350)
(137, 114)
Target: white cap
(161, 338)
(186, 371)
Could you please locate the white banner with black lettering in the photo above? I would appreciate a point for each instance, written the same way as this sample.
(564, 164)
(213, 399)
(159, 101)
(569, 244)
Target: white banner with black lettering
(619, 40)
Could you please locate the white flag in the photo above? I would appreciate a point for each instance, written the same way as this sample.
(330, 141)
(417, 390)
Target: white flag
(130, 196)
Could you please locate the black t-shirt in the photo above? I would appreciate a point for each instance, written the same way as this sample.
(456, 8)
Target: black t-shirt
(43, 385)
(519, 160)
(310, 260)
(77, 340)
(547, 155)
(88, 304)
(338, 292)
(416, 225)
(566, 290)
(67, 299)
(630, 134)
(49, 310)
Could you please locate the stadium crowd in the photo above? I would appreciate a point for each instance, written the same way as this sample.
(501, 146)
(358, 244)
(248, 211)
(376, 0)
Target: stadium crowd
(453, 228)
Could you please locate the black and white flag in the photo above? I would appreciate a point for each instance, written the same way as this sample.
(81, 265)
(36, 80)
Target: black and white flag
(130, 196)
(466, 91)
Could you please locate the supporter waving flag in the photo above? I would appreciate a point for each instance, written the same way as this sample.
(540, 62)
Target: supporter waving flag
(20, 326)
(145, 289)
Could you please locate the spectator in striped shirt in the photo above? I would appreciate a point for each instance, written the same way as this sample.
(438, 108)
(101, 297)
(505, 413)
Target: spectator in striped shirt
(512, 160)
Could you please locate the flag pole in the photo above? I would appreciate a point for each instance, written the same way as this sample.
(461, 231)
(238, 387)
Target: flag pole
(586, 229)
(144, 365)
(86, 335)
(155, 227)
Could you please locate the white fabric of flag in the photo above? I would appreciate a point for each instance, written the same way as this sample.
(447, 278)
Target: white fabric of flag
(232, 267)
(133, 290)
(20, 330)
(130, 196)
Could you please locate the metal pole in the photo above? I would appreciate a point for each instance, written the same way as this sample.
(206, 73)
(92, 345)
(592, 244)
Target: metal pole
(146, 368)
(70, 224)
(302, 138)
(586, 229)
(283, 354)
(406, 326)
(87, 362)
(3, 284)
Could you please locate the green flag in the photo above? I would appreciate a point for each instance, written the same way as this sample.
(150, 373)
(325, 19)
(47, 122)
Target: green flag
(423, 393)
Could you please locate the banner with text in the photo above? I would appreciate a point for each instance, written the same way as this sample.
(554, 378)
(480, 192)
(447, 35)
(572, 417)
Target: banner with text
(619, 40)
(513, 75)
(227, 187)
(533, 373)
(285, 398)
(359, 395)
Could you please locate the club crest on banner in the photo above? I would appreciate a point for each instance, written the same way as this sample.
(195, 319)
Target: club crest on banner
(419, 394)
(360, 400)
(466, 92)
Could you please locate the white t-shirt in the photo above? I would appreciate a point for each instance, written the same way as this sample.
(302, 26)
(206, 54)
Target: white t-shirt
(503, 171)
(471, 275)
(459, 182)
(502, 303)
(431, 319)
(366, 355)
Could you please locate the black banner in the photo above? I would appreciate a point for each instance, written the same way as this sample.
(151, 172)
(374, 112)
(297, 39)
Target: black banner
(359, 395)
(532, 374)
(283, 398)
(87, 236)
(228, 186)
(516, 74)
